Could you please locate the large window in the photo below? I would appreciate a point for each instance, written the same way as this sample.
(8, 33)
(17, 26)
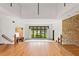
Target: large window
(39, 31)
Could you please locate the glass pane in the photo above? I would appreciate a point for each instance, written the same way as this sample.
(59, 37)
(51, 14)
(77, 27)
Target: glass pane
(39, 32)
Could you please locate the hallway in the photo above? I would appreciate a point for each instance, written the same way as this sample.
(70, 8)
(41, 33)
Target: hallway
(39, 29)
(38, 48)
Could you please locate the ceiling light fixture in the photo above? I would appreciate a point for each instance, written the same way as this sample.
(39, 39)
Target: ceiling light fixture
(64, 4)
(38, 9)
(10, 4)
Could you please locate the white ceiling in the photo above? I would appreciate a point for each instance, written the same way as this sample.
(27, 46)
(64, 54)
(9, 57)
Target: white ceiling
(30, 10)
(46, 10)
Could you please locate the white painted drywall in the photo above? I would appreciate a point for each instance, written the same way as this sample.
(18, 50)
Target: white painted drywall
(7, 15)
(69, 10)
(9, 27)
(6, 27)
(52, 23)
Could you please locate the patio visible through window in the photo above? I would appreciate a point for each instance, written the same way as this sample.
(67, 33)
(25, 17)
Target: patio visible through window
(39, 31)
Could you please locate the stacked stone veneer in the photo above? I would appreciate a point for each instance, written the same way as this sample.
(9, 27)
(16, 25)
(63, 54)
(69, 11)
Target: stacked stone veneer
(70, 30)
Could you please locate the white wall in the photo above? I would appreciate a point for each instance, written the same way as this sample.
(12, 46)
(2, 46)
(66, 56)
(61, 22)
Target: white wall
(69, 10)
(58, 29)
(8, 14)
(37, 22)
(8, 28)
(52, 23)
(6, 25)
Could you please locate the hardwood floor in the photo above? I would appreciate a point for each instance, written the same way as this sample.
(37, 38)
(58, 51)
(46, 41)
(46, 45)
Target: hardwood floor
(38, 49)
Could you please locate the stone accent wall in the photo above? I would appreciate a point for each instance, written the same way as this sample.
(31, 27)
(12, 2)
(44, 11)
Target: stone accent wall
(70, 30)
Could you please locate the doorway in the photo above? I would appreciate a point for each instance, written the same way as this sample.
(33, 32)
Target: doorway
(39, 31)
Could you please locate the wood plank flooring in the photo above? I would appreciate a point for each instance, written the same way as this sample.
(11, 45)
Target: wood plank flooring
(38, 49)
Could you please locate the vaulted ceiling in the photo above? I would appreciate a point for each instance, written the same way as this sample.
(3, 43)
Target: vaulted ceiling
(31, 10)
(45, 10)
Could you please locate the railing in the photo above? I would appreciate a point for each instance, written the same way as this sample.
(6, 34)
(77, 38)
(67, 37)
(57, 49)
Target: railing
(6, 37)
